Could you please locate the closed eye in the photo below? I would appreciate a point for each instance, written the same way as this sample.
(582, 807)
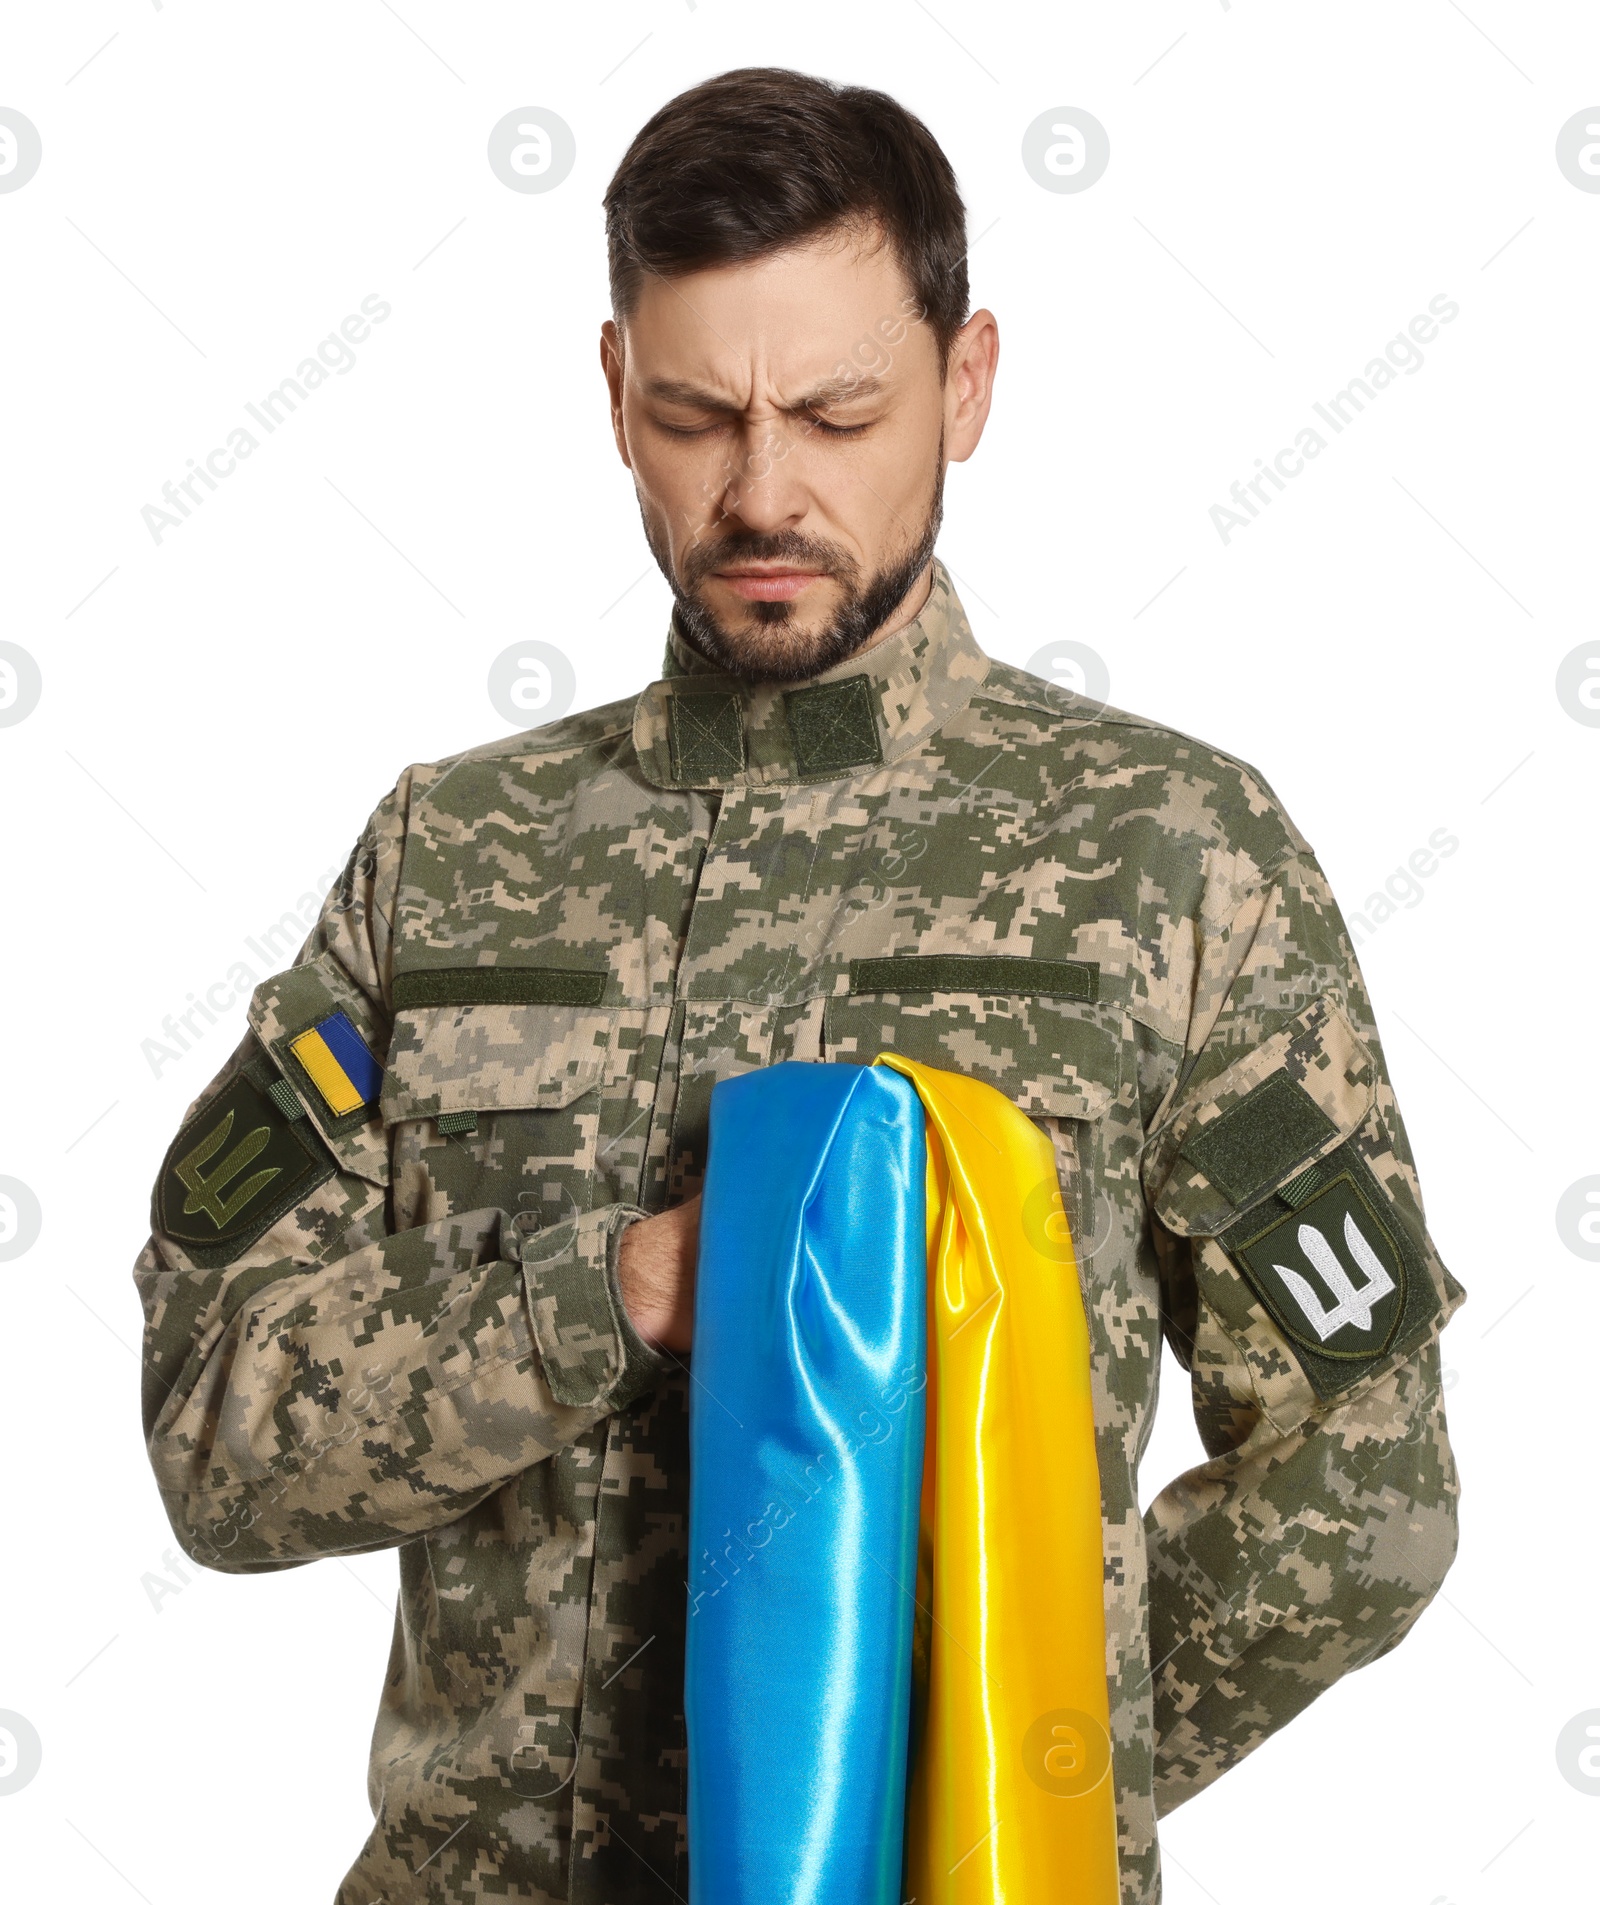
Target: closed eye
(813, 421)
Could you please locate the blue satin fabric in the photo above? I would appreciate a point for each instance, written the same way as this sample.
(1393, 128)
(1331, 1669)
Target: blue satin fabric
(805, 1443)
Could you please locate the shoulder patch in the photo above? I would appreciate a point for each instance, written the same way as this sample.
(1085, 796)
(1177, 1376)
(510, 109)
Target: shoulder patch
(1336, 1270)
(1272, 1128)
(235, 1168)
(332, 1058)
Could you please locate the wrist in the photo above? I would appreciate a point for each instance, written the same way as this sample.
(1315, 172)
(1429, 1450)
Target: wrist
(655, 1275)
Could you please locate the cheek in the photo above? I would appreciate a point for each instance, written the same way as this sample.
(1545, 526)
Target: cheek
(884, 481)
(678, 482)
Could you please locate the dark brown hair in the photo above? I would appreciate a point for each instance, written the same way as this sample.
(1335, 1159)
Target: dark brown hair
(760, 158)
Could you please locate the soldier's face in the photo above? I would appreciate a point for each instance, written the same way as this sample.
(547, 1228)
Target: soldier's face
(788, 429)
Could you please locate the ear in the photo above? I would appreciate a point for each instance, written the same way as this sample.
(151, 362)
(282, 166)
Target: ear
(969, 384)
(613, 364)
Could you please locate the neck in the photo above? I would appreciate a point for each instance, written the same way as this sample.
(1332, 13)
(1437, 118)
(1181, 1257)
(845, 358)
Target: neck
(912, 603)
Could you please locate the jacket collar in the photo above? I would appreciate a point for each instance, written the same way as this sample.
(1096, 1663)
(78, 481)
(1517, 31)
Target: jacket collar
(700, 728)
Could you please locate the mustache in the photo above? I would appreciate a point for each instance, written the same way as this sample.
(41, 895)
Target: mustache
(784, 545)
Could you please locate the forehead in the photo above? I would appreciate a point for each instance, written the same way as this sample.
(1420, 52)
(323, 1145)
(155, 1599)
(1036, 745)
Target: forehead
(791, 317)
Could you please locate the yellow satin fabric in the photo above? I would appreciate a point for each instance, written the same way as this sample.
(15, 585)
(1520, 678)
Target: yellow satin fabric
(1012, 1800)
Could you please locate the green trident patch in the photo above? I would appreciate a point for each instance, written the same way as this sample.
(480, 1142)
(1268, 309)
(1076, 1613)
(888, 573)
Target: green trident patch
(205, 1193)
(233, 1170)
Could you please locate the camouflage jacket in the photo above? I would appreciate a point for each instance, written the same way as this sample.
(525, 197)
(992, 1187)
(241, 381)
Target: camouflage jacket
(381, 1301)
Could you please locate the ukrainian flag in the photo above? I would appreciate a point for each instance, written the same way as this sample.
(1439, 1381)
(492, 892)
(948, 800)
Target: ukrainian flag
(897, 1628)
(334, 1056)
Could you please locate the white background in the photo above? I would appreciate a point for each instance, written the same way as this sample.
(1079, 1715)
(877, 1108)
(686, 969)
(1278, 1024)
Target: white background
(1288, 187)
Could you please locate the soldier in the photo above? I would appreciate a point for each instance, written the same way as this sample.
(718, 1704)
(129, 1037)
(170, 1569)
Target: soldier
(422, 1268)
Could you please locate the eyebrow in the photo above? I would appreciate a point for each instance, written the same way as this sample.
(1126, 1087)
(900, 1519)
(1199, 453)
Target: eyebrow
(835, 390)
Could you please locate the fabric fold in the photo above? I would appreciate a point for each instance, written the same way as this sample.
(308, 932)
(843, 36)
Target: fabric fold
(895, 1517)
(805, 1436)
(1011, 1796)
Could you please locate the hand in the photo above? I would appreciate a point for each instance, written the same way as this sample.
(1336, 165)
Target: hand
(655, 1268)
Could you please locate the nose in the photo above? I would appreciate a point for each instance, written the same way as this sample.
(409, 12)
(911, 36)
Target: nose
(762, 487)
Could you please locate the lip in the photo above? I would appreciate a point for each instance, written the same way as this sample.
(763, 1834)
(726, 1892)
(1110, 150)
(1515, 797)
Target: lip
(768, 585)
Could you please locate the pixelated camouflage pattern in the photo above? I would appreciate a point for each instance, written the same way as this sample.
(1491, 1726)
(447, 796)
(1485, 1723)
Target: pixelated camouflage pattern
(430, 1352)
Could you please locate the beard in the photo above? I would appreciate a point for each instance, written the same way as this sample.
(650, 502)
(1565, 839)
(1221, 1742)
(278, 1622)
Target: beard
(770, 644)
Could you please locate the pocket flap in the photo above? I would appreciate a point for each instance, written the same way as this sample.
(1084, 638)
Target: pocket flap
(1267, 1118)
(1051, 1060)
(445, 1058)
(326, 1038)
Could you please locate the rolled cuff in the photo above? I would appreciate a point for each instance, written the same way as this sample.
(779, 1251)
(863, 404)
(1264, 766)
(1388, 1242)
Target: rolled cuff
(590, 1349)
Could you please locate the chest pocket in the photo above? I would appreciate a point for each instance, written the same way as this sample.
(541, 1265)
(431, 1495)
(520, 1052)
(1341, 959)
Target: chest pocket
(1057, 1060)
(497, 1105)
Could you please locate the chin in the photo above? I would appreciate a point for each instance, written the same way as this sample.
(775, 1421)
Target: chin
(777, 653)
(756, 637)
(819, 605)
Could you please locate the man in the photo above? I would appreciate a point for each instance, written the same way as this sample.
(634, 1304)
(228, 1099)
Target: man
(422, 1271)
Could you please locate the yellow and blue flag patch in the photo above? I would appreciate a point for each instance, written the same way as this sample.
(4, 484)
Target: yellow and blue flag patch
(334, 1056)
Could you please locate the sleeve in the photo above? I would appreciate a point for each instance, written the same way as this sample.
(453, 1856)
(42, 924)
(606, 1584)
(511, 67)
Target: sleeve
(1301, 1291)
(315, 1382)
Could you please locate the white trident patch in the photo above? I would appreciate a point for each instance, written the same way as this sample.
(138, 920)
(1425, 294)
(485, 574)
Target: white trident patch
(1353, 1305)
